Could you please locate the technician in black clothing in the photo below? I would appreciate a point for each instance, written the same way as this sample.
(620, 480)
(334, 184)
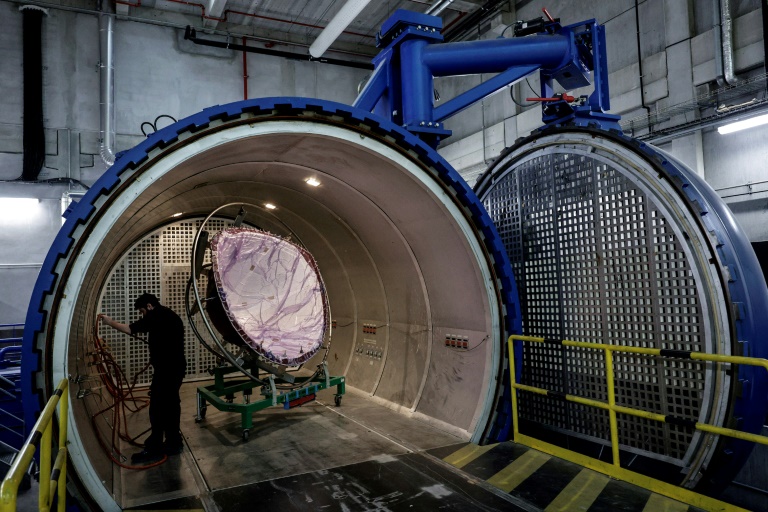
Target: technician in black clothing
(166, 354)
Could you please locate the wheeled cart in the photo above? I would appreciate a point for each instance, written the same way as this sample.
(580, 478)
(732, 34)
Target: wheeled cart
(221, 394)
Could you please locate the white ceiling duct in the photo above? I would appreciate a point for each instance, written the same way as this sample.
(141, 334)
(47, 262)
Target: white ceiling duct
(343, 18)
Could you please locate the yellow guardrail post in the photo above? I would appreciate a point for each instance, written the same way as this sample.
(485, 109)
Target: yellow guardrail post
(513, 378)
(41, 436)
(615, 470)
(45, 467)
(611, 406)
(61, 457)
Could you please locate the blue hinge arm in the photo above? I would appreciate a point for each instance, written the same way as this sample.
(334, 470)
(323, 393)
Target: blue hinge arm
(479, 92)
(377, 85)
(599, 100)
(496, 55)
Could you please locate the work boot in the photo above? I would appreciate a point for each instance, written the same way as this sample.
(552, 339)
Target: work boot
(146, 457)
(174, 449)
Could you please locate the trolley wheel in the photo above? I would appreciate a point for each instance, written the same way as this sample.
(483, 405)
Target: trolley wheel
(246, 434)
(337, 400)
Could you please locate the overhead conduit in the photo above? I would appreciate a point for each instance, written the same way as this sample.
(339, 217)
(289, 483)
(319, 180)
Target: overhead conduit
(107, 89)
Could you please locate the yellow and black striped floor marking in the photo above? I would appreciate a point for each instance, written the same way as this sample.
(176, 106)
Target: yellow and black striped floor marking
(551, 483)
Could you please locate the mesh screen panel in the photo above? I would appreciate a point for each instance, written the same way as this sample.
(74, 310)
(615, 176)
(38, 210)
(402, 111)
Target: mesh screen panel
(595, 260)
(158, 264)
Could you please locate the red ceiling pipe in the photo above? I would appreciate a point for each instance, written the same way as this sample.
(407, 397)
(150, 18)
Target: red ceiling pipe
(457, 18)
(291, 22)
(241, 13)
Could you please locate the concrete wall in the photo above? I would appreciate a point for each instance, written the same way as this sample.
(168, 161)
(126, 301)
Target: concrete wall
(156, 72)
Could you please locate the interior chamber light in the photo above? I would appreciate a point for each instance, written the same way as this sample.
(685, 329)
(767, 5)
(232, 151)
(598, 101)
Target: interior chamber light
(269, 206)
(177, 214)
(313, 182)
(743, 125)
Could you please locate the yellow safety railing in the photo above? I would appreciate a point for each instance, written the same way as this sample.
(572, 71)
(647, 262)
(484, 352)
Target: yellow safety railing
(614, 409)
(41, 436)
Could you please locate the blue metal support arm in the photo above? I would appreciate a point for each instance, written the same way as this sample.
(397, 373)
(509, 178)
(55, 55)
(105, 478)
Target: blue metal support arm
(375, 88)
(497, 55)
(479, 92)
(401, 87)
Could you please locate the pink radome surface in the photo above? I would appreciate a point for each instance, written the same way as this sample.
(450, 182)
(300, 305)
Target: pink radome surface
(272, 293)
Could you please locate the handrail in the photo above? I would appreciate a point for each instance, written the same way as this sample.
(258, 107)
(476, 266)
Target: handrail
(12, 326)
(41, 436)
(611, 406)
(16, 350)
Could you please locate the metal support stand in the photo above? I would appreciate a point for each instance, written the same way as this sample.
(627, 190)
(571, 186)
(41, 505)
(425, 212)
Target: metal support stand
(306, 392)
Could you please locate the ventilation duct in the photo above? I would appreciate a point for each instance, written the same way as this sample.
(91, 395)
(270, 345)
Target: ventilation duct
(34, 136)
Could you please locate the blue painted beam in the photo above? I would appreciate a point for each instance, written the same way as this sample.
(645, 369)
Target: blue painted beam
(497, 55)
(479, 92)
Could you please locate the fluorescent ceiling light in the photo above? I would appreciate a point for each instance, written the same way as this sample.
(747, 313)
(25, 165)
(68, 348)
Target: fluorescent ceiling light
(313, 182)
(270, 206)
(343, 18)
(743, 125)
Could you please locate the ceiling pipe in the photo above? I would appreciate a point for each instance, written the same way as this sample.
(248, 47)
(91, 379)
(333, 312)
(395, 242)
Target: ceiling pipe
(718, 38)
(331, 32)
(438, 7)
(190, 34)
(107, 88)
(726, 25)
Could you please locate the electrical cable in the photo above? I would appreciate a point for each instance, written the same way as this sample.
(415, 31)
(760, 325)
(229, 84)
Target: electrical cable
(153, 125)
(522, 105)
(125, 401)
(51, 181)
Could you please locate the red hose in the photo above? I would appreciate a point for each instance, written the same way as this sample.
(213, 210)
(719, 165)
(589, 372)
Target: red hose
(125, 401)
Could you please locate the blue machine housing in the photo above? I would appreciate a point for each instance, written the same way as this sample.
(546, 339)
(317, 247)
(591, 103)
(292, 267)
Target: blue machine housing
(400, 92)
(45, 291)
(749, 304)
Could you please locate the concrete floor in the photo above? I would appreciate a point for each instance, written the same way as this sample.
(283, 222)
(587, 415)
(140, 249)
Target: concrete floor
(360, 456)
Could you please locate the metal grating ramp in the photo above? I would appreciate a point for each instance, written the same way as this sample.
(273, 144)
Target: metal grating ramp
(552, 484)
